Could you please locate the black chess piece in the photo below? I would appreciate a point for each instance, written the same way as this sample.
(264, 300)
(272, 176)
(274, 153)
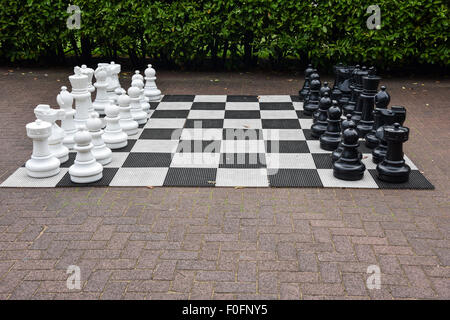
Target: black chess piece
(387, 118)
(393, 168)
(303, 93)
(311, 104)
(324, 89)
(344, 125)
(337, 76)
(345, 74)
(320, 126)
(382, 98)
(367, 97)
(349, 165)
(331, 138)
(351, 103)
(357, 112)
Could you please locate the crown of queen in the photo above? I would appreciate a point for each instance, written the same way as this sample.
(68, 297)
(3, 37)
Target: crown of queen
(78, 81)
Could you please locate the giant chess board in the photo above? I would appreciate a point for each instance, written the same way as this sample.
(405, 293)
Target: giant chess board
(224, 141)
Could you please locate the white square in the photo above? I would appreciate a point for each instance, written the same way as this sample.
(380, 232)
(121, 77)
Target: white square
(283, 134)
(314, 147)
(201, 134)
(159, 123)
(278, 114)
(196, 160)
(206, 114)
(409, 162)
(118, 158)
(241, 178)
(20, 178)
(290, 161)
(159, 146)
(328, 180)
(242, 146)
(242, 123)
(130, 177)
(298, 105)
(210, 98)
(275, 98)
(306, 123)
(242, 106)
(174, 106)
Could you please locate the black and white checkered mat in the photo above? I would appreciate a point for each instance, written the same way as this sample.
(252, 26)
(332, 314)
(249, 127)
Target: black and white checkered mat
(224, 141)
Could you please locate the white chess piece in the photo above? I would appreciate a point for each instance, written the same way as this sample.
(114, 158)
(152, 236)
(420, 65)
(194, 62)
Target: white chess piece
(113, 136)
(81, 95)
(85, 168)
(109, 87)
(136, 109)
(55, 141)
(43, 163)
(117, 93)
(150, 89)
(65, 102)
(114, 83)
(128, 125)
(101, 152)
(89, 72)
(101, 99)
(137, 75)
(144, 104)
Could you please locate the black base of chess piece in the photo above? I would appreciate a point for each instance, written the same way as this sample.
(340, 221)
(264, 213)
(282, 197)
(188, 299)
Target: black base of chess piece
(320, 125)
(312, 101)
(303, 93)
(367, 98)
(349, 165)
(393, 168)
(331, 138)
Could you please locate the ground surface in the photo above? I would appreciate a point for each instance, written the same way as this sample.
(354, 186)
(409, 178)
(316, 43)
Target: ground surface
(225, 243)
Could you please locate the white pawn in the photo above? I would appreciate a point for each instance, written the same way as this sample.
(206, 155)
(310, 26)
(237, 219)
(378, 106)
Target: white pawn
(55, 141)
(150, 89)
(136, 109)
(85, 168)
(81, 95)
(137, 75)
(128, 125)
(113, 136)
(101, 152)
(101, 99)
(117, 93)
(65, 102)
(43, 163)
(144, 104)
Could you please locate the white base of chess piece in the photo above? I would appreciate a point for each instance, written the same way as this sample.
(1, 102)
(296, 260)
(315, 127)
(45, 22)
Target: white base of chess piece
(113, 136)
(42, 163)
(150, 89)
(85, 168)
(55, 141)
(126, 122)
(101, 152)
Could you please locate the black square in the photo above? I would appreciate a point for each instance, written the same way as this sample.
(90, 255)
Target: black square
(170, 114)
(301, 115)
(295, 98)
(322, 160)
(153, 105)
(208, 106)
(276, 106)
(190, 177)
(308, 135)
(127, 148)
(161, 134)
(416, 181)
(199, 146)
(242, 160)
(205, 123)
(245, 114)
(241, 98)
(280, 124)
(178, 98)
(141, 125)
(242, 134)
(294, 178)
(108, 175)
(286, 146)
(147, 159)
(69, 162)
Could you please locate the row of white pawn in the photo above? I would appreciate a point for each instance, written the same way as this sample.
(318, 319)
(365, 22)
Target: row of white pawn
(51, 143)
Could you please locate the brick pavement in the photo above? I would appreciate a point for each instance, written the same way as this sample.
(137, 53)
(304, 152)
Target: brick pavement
(225, 243)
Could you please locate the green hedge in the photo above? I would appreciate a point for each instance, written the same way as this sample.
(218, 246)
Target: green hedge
(187, 33)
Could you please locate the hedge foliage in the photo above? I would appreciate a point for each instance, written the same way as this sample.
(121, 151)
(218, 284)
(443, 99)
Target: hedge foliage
(227, 32)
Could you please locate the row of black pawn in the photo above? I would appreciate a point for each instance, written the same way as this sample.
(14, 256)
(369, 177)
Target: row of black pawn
(355, 93)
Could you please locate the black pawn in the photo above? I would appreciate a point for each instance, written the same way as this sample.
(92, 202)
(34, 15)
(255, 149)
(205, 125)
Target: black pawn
(325, 89)
(332, 136)
(303, 93)
(320, 125)
(357, 112)
(312, 101)
(371, 139)
(367, 97)
(347, 123)
(349, 165)
(393, 168)
(382, 98)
